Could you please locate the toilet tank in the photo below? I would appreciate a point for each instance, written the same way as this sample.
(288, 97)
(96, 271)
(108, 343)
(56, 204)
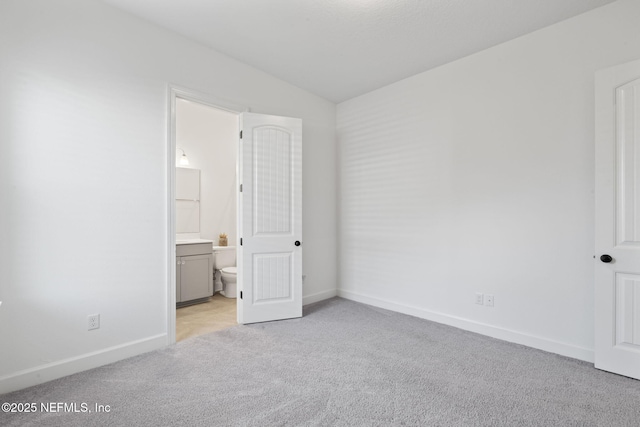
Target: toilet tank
(224, 256)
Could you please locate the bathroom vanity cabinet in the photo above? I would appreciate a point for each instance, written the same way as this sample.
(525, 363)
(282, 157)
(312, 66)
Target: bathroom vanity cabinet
(194, 272)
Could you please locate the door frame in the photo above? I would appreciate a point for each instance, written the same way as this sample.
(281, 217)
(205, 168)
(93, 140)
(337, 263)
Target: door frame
(174, 92)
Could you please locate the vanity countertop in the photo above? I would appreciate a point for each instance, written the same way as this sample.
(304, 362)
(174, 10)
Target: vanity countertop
(224, 248)
(192, 241)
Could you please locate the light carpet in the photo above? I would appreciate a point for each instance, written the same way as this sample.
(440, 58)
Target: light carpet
(342, 364)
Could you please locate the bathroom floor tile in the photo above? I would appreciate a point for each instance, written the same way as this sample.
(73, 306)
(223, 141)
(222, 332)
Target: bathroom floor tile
(218, 313)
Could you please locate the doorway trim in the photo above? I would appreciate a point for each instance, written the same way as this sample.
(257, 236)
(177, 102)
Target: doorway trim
(174, 92)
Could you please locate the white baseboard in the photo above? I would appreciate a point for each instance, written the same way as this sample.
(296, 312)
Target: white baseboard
(477, 327)
(320, 296)
(73, 365)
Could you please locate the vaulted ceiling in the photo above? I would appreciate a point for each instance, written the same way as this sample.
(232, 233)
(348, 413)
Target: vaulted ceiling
(339, 49)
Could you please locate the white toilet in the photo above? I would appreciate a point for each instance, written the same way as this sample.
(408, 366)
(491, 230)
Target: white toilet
(224, 265)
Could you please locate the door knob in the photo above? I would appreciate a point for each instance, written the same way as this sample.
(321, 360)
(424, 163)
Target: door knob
(297, 243)
(606, 258)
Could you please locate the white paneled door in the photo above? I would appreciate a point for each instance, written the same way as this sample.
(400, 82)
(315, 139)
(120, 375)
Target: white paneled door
(270, 206)
(617, 234)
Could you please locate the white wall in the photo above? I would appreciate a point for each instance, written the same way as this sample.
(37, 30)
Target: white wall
(84, 183)
(478, 176)
(209, 137)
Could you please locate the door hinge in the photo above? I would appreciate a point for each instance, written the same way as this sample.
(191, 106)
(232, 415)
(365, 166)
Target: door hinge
(240, 134)
(240, 294)
(241, 241)
(241, 188)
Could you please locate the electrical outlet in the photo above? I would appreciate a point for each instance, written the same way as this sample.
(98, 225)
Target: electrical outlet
(479, 298)
(93, 322)
(488, 300)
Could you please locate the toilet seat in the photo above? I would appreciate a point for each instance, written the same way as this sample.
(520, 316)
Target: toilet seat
(230, 270)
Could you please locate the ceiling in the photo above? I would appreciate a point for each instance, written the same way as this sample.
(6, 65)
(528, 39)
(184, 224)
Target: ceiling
(339, 49)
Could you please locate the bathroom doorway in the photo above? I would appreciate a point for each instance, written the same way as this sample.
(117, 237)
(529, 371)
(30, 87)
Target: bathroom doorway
(204, 136)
